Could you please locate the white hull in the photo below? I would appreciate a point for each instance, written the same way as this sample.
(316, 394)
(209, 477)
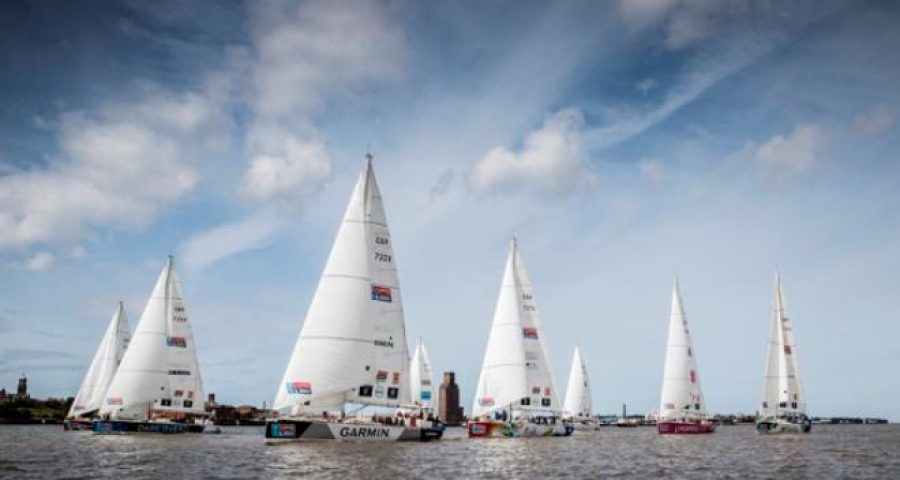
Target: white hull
(281, 431)
(778, 425)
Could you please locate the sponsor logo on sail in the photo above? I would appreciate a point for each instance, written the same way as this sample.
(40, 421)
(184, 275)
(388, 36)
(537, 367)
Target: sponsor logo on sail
(381, 293)
(385, 343)
(530, 333)
(486, 401)
(425, 395)
(179, 342)
(299, 388)
(114, 401)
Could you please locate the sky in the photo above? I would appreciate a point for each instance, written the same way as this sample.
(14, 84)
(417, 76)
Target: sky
(624, 143)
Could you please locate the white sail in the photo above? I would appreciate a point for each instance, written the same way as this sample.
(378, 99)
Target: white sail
(682, 397)
(538, 372)
(103, 367)
(421, 379)
(502, 381)
(352, 347)
(782, 394)
(516, 369)
(159, 371)
(578, 394)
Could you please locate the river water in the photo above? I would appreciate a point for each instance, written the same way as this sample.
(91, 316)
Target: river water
(830, 451)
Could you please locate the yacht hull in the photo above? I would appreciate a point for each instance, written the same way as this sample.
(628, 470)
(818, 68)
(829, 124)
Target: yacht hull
(498, 429)
(278, 431)
(78, 425)
(768, 427)
(687, 428)
(113, 427)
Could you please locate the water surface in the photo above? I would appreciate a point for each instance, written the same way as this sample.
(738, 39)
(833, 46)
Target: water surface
(830, 451)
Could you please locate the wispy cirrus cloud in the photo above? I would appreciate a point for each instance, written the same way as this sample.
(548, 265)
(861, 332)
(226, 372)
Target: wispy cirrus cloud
(207, 247)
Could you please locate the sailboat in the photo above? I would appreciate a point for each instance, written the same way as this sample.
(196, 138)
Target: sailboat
(682, 408)
(783, 407)
(577, 404)
(352, 351)
(421, 380)
(100, 373)
(516, 394)
(157, 388)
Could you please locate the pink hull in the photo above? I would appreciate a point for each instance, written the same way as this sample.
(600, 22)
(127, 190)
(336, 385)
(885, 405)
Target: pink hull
(689, 428)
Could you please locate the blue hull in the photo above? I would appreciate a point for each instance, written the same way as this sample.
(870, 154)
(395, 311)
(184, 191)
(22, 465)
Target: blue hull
(126, 426)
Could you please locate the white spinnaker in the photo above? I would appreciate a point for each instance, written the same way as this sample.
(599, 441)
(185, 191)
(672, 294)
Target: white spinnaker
(502, 382)
(421, 379)
(352, 346)
(159, 370)
(103, 367)
(781, 389)
(542, 394)
(578, 393)
(682, 397)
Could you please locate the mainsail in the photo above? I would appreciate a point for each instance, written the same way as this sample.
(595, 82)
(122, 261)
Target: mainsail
(421, 379)
(352, 347)
(682, 397)
(103, 367)
(578, 393)
(516, 370)
(159, 371)
(782, 394)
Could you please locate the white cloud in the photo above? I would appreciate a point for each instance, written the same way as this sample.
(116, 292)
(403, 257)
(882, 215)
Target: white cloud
(304, 53)
(308, 50)
(299, 171)
(208, 247)
(119, 167)
(784, 157)
(877, 120)
(552, 159)
(39, 261)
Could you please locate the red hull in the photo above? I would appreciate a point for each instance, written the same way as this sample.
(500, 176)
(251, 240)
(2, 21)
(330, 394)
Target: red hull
(685, 427)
